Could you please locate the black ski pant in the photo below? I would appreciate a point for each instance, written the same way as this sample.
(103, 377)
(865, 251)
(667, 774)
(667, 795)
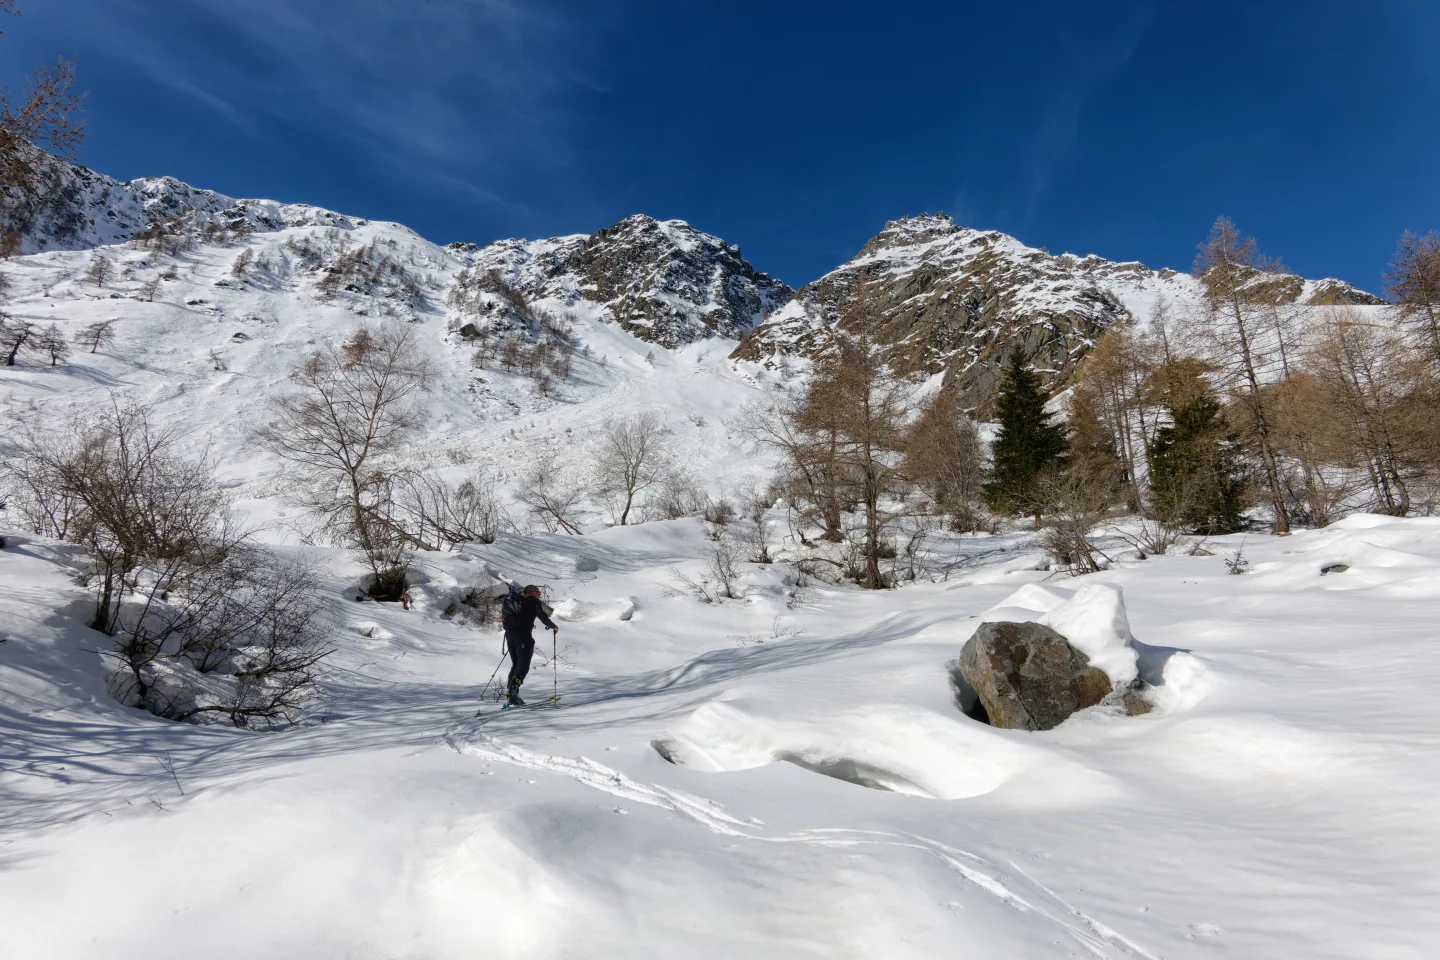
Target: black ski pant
(521, 648)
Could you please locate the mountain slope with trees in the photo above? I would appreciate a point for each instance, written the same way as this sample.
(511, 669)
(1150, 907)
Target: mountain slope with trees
(948, 300)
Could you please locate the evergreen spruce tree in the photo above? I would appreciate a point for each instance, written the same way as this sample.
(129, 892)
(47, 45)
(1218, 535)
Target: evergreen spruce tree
(1027, 445)
(1197, 480)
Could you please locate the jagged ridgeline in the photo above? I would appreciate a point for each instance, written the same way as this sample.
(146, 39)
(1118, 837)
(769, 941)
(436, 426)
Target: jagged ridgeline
(943, 299)
(663, 281)
(937, 298)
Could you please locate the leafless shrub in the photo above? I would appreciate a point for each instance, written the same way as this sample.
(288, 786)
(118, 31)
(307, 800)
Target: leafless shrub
(910, 559)
(755, 506)
(478, 605)
(175, 581)
(721, 580)
(553, 494)
(238, 639)
(678, 495)
(382, 544)
(1153, 535)
(717, 512)
(723, 563)
(37, 491)
(699, 588)
(441, 515)
(1076, 501)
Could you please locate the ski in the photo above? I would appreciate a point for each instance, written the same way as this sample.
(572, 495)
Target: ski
(528, 703)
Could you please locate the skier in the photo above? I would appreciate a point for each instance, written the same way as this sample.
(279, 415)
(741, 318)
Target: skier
(518, 615)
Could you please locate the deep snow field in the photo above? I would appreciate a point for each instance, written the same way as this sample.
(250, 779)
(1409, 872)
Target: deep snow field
(1278, 803)
(785, 775)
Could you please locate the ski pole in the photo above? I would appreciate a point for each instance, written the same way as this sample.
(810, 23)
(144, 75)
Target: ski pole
(554, 669)
(504, 652)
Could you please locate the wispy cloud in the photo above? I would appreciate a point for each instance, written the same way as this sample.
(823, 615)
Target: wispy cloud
(457, 85)
(1094, 54)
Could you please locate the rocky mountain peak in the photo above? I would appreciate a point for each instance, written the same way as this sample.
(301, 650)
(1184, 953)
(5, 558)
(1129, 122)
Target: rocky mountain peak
(661, 280)
(943, 299)
(910, 231)
(77, 209)
(939, 298)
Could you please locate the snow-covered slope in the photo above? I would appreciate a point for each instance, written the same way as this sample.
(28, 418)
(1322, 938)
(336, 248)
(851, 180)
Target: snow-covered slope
(79, 209)
(1277, 803)
(703, 787)
(663, 281)
(234, 311)
(941, 298)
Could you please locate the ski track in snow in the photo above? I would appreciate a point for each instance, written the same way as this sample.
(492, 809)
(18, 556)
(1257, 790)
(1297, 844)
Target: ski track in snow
(1098, 938)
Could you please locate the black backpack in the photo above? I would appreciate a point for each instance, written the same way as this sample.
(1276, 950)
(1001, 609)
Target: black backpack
(513, 606)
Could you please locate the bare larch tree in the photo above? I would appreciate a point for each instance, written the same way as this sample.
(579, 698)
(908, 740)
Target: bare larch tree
(1232, 271)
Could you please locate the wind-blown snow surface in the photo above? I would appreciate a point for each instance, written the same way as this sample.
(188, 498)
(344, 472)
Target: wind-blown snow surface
(1278, 802)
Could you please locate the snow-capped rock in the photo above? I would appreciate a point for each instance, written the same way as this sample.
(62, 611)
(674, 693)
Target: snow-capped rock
(939, 298)
(78, 209)
(663, 281)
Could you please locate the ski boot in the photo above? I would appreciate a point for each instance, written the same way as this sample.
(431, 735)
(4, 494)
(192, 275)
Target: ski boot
(512, 698)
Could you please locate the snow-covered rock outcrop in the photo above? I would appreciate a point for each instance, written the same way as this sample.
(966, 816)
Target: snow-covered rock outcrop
(78, 209)
(937, 297)
(663, 281)
(944, 299)
(1047, 652)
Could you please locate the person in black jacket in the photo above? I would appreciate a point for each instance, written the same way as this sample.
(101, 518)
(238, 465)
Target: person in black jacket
(519, 640)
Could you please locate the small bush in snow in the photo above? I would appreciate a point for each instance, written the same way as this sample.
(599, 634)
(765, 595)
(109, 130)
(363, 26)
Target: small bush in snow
(203, 625)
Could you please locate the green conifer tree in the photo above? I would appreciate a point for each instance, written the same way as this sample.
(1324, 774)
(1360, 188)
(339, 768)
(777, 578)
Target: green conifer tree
(1197, 480)
(1027, 445)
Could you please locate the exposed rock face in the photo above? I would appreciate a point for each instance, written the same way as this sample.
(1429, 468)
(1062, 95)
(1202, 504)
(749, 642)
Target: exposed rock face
(940, 298)
(78, 209)
(1028, 677)
(663, 281)
(937, 297)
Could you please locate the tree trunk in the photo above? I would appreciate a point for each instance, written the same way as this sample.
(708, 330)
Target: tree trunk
(873, 578)
(1262, 428)
(1434, 328)
(102, 606)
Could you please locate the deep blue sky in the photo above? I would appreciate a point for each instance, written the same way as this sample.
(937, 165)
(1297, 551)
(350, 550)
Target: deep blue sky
(794, 129)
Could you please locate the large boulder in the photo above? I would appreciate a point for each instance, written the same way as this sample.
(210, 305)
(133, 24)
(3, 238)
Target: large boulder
(1028, 677)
